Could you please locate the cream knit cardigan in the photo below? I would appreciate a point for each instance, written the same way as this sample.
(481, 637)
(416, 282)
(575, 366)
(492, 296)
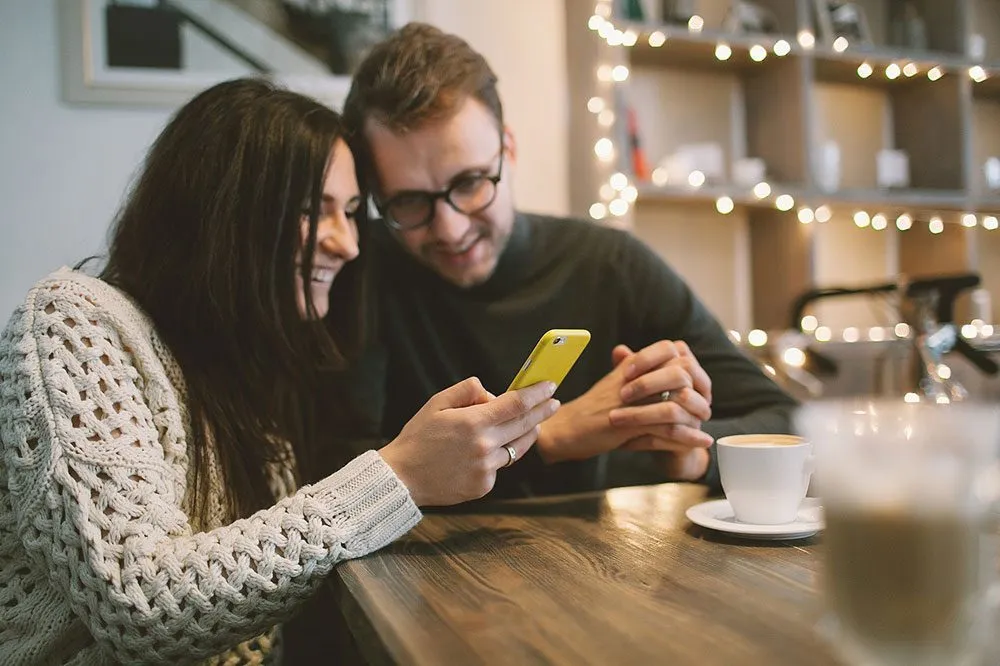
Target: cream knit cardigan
(99, 562)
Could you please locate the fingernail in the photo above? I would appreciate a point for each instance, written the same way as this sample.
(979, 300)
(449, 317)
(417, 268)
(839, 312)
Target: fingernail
(554, 406)
(550, 388)
(630, 371)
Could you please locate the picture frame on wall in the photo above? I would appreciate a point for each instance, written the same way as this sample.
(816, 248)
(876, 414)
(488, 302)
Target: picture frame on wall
(842, 19)
(162, 52)
(750, 18)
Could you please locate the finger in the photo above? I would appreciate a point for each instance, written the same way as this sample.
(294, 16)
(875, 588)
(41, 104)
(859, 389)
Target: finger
(650, 357)
(523, 423)
(702, 382)
(463, 394)
(500, 458)
(693, 403)
(660, 413)
(687, 436)
(673, 377)
(650, 443)
(619, 354)
(513, 404)
(682, 348)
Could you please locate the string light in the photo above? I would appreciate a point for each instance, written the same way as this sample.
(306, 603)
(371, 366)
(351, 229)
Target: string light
(935, 73)
(630, 194)
(794, 357)
(603, 9)
(607, 192)
(630, 38)
(735, 335)
(893, 71)
(911, 398)
(879, 222)
(757, 338)
(902, 330)
(618, 207)
(806, 39)
(824, 214)
(595, 104)
(757, 53)
(806, 215)
(809, 323)
(659, 176)
(851, 334)
(876, 334)
(604, 73)
(840, 44)
(910, 69)
(696, 23)
(861, 219)
(724, 205)
(943, 371)
(865, 70)
(986, 330)
(696, 179)
(978, 74)
(619, 73)
(904, 222)
(618, 181)
(723, 51)
(604, 149)
(606, 118)
(781, 48)
(969, 220)
(784, 203)
(936, 225)
(969, 331)
(615, 38)
(990, 222)
(598, 211)
(824, 334)
(657, 39)
(762, 190)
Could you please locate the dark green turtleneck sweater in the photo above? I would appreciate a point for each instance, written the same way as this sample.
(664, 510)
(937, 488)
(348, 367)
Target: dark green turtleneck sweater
(554, 273)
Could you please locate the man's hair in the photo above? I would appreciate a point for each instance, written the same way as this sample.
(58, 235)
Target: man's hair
(419, 75)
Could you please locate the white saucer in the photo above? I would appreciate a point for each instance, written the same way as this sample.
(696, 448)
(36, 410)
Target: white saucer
(718, 515)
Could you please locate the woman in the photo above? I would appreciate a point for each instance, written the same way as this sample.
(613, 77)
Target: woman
(152, 419)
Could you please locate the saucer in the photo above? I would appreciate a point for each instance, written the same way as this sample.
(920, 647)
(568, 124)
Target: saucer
(718, 515)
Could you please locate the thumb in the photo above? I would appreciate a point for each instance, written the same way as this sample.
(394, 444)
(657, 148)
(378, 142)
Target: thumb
(463, 394)
(619, 354)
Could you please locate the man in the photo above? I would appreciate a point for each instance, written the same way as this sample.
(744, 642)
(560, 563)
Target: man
(466, 284)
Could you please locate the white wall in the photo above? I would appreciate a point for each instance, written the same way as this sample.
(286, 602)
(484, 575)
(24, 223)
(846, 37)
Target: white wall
(63, 168)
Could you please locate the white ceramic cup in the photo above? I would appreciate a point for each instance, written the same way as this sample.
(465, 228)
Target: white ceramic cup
(765, 477)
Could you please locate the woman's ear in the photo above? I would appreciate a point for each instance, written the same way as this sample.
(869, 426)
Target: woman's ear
(510, 145)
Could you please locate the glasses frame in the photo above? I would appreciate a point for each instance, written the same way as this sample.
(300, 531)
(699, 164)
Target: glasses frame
(434, 197)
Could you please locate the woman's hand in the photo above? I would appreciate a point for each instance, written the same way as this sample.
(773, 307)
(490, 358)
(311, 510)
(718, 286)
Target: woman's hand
(450, 451)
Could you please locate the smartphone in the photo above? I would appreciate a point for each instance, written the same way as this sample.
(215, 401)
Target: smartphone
(552, 358)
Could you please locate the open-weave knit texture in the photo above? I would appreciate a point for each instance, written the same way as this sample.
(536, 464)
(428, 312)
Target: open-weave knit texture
(99, 560)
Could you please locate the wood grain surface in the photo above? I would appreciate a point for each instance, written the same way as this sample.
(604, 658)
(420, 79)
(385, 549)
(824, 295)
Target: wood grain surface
(617, 577)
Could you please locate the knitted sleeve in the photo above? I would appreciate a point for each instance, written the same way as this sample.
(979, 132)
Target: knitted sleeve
(97, 497)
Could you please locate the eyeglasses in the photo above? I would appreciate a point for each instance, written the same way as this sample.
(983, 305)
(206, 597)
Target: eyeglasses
(467, 194)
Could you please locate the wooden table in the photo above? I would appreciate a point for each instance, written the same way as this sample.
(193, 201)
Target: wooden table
(617, 577)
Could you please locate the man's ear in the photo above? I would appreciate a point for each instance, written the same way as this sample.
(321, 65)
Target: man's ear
(510, 145)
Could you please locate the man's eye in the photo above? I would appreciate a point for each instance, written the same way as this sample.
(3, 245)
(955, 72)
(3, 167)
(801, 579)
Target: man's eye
(468, 184)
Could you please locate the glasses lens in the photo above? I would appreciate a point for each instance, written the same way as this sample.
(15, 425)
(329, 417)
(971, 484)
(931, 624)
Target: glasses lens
(471, 195)
(409, 210)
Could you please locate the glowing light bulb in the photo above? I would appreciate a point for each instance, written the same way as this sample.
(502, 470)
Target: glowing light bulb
(757, 53)
(876, 334)
(806, 215)
(657, 39)
(724, 205)
(598, 211)
(723, 52)
(735, 335)
(902, 330)
(762, 190)
(696, 23)
(936, 225)
(851, 334)
(969, 220)
(893, 71)
(824, 214)
(910, 69)
(696, 179)
(879, 222)
(840, 44)
(969, 331)
(809, 323)
(618, 207)
(904, 222)
(911, 398)
(978, 74)
(606, 118)
(781, 48)
(935, 73)
(861, 219)
(824, 334)
(615, 38)
(595, 104)
(784, 202)
(806, 39)
(618, 181)
(607, 192)
(604, 149)
(757, 338)
(660, 176)
(595, 22)
(943, 371)
(619, 73)
(604, 73)
(865, 70)
(630, 193)
(990, 222)
(630, 37)
(794, 357)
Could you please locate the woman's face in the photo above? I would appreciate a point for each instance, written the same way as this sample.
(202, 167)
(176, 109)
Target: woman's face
(337, 232)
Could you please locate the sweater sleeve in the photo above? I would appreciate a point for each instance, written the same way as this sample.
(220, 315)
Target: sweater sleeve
(660, 305)
(98, 501)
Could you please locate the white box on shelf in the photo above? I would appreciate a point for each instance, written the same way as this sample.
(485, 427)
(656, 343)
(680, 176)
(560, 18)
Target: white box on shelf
(705, 157)
(828, 167)
(893, 168)
(991, 169)
(977, 47)
(748, 171)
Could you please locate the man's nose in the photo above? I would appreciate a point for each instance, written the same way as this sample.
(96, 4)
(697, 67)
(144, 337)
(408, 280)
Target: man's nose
(449, 225)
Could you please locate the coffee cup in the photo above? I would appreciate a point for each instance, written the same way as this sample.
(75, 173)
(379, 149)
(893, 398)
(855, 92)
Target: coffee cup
(765, 477)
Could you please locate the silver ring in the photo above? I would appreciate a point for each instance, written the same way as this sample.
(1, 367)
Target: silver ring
(665, 396)
(512, 452)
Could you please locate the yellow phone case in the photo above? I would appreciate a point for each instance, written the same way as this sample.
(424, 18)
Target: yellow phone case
(552, 358)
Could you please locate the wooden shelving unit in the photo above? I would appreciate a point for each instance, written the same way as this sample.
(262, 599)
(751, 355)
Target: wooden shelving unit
(749, 256)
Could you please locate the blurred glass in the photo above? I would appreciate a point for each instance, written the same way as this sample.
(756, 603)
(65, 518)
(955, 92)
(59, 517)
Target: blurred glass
(909, 494)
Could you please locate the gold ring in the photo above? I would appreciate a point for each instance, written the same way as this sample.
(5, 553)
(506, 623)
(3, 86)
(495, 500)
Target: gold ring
(512, 452)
